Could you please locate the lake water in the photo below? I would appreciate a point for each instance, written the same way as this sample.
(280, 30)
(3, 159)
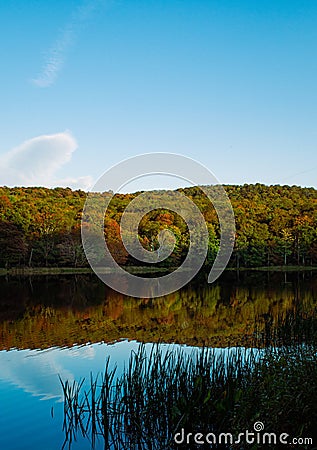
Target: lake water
(69, 325)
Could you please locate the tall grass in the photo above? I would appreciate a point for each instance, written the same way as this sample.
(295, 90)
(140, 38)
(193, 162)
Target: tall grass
(161, 392)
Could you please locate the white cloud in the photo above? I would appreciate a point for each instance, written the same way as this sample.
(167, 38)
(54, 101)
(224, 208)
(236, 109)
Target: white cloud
(36, 161)
(84, 183)
(55, 59)
(56, 56)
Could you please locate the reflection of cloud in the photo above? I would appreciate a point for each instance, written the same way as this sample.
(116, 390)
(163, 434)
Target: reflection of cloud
(36, 375)
(84, 352)
(36, 372)
(36, 161)
(56, 56)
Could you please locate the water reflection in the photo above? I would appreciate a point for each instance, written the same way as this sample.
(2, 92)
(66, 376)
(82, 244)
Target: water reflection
(31, 393)
(42, 318)
(31, 396)
(35, 372)
(63, 311)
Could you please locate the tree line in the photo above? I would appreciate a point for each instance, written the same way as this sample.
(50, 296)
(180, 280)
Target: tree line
(275, 225)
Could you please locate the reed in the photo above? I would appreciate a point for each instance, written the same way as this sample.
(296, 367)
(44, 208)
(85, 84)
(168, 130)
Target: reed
(159, 392)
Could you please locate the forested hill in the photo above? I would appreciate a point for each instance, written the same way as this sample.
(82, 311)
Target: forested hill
(276, 225)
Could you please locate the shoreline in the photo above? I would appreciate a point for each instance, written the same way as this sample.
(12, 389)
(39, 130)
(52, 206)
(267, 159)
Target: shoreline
(28, 271)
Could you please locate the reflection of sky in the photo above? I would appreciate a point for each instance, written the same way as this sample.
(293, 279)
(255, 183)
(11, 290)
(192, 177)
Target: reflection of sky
(36, 371)
(29, 376)
(31, 410)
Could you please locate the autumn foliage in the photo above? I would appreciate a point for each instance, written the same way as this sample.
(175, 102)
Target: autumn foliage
(276, 225)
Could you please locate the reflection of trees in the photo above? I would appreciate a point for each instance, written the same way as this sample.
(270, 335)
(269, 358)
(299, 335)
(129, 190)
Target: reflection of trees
(79, 309)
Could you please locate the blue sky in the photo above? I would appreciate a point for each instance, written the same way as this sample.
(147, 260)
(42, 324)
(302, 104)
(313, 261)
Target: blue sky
(85, 84)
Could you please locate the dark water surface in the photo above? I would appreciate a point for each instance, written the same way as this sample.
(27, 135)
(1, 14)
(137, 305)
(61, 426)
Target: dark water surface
(68, 325)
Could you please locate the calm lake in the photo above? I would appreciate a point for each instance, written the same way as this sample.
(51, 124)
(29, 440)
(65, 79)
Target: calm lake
(68, 325)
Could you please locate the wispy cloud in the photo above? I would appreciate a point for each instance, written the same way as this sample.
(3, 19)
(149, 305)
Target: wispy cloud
(36, 162)
(56, 56)
(54, 60)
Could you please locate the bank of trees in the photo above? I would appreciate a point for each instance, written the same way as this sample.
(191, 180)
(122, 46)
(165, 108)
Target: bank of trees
(276, 225)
